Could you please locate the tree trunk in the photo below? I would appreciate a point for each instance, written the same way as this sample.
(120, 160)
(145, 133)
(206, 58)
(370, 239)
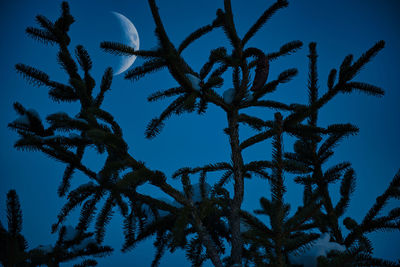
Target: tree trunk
(234, 220)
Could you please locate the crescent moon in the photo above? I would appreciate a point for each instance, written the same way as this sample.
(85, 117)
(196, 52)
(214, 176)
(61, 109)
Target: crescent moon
(132, 39)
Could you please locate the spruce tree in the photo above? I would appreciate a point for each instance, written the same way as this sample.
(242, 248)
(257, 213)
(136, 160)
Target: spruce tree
(70, 244)
(206, 220)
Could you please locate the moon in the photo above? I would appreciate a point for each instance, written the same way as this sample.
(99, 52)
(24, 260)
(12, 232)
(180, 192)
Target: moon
(131, 38)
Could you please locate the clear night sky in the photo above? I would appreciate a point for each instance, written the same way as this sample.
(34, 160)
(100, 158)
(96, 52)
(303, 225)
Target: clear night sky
(339, 27)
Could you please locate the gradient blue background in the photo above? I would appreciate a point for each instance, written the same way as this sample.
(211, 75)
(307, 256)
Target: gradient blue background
(339, 27)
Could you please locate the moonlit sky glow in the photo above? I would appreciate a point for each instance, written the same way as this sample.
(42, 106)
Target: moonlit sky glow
(339, 27)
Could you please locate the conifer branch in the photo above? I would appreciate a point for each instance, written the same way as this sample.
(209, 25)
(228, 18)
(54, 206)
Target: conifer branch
(268, 104)
(14, 213)
(83, 57)
(217, 55)
(346, 73)
(88, 211)
(160, 243)
(75, 198)
(117, 49)
(263, 19)
(253, 122)
(166, 93)
(43, 36)
(156, 124)
(370, 223)
(207, 168)
(256, 139)
(66, 181)
(365, 58)
(363, 87)
(229, 25)
(286, 49)
(32, 75)
(103, 219)
(262, 67)
(313, 82)
(334, 173)
(347, 187)
(194, 36)
(277, 186)
(284, 77)
(61, 92)
(148, 67)
(68, 64)
(223, 180)
(104, 86)
(45, 23)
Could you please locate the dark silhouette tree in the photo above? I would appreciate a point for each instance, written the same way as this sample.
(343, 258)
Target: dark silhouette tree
(204, 219)
(70, 244)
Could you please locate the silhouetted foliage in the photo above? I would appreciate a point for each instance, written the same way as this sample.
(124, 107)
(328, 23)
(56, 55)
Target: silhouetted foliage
(70, 245)
(203, 219)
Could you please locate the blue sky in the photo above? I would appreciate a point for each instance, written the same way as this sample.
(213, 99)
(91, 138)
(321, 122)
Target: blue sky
(339, 28)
